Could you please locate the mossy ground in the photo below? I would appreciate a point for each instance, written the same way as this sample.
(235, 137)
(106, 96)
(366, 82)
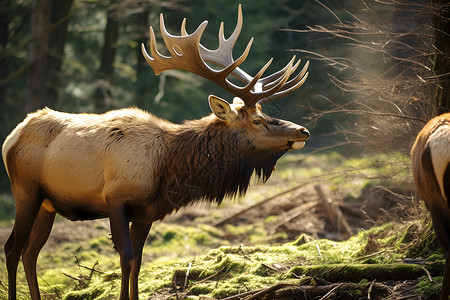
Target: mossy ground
(187, 256)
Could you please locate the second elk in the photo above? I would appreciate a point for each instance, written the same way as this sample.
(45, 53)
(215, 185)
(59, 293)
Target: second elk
(430, 156)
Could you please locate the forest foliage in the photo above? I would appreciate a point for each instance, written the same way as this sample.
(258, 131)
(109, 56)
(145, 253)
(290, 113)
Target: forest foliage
(371, 74)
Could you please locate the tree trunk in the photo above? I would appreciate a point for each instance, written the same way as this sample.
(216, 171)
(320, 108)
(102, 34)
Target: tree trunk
(49, 22)
(441, 23)
(4, 35)
(103, 92)
(142, 89)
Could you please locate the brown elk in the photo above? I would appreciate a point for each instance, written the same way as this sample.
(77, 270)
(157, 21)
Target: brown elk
(132, 167)
(430, 156)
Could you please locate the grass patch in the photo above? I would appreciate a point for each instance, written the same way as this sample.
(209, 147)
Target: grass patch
(230, 270)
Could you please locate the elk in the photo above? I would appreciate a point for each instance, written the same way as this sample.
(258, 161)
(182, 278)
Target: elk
(430, 157)
(132, 167)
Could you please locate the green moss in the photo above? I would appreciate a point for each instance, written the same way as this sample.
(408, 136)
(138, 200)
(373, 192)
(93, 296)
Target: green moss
(426, 243)
(358, 272)
(409, 234)
(435, 257)
(271, 219)
(93, 293)
(241, 283)
(202, 289)
(302, 239)
(99, 242)
(430, 289)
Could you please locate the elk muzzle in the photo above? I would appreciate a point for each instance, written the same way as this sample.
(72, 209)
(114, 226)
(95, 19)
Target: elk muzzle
(303, 136)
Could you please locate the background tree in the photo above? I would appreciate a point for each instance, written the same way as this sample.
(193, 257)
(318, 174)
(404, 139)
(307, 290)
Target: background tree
(105, 76)
(4, 33)
(49, 21)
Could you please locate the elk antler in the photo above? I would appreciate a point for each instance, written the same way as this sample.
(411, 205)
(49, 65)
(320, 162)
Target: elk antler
(188, 54)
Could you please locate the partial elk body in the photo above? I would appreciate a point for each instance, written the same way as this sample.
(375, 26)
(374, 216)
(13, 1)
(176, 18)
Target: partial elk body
(132, 167)
(430, 156)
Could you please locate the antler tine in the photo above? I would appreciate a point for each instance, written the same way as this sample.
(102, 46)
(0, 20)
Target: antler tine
(290, 86)
(273, 79)
(183, 28)
(278, 76)
(284, 92)
(300, 76)
(268, 92)
(233, 66)
(223, 55)
(255, 80)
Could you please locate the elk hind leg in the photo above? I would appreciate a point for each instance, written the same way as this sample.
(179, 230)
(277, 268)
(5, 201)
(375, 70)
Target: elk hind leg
(27, 208)
(38, 237)
(441, 224)
(139, 232)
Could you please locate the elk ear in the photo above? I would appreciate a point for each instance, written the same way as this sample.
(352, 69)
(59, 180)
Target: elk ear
(238, 101)
(221, 108)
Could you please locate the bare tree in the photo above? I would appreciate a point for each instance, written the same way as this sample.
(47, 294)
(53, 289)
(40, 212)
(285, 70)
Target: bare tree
(387, 70)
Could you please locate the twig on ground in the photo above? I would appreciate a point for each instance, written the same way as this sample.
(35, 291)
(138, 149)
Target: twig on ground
(93, 270)
(318, 250)
(331, 292)
(187, 276)
(72, 277)
(428, 274)
(372, 254)
(369, 291)
(292, 214)
(51, 287)
(240, 296)
(88, 268)
(215, 274)
(266, 291)
(228, 219)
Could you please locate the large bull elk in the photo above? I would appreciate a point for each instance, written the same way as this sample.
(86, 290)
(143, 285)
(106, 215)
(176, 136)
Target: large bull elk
(132, 167)
(430, 156)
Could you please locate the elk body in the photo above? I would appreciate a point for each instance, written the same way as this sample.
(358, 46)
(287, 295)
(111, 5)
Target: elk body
(132, 167)
(431, 169)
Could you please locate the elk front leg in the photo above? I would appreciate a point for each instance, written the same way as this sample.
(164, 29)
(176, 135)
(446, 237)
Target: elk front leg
(27, 208)
(122, 242)
(39, 235)
(139, 232)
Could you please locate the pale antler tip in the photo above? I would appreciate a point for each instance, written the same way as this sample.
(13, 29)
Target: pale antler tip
(183, 27)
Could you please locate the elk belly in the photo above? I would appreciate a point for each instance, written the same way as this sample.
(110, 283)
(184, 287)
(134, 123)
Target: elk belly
(298, 145)
(72, 177)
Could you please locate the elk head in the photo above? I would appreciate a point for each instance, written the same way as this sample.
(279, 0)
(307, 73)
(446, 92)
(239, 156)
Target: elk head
(245, 113)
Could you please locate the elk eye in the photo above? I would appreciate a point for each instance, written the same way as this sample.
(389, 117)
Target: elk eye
(257, 122)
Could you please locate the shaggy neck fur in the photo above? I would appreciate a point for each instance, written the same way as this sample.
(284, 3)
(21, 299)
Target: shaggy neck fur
(206, 161)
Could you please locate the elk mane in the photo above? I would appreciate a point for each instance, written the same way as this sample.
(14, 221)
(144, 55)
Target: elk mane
(205, 160)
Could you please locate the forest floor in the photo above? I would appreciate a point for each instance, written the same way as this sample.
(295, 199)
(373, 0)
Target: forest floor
(321, 228)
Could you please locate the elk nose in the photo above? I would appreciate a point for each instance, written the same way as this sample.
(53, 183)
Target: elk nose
(305, 132)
